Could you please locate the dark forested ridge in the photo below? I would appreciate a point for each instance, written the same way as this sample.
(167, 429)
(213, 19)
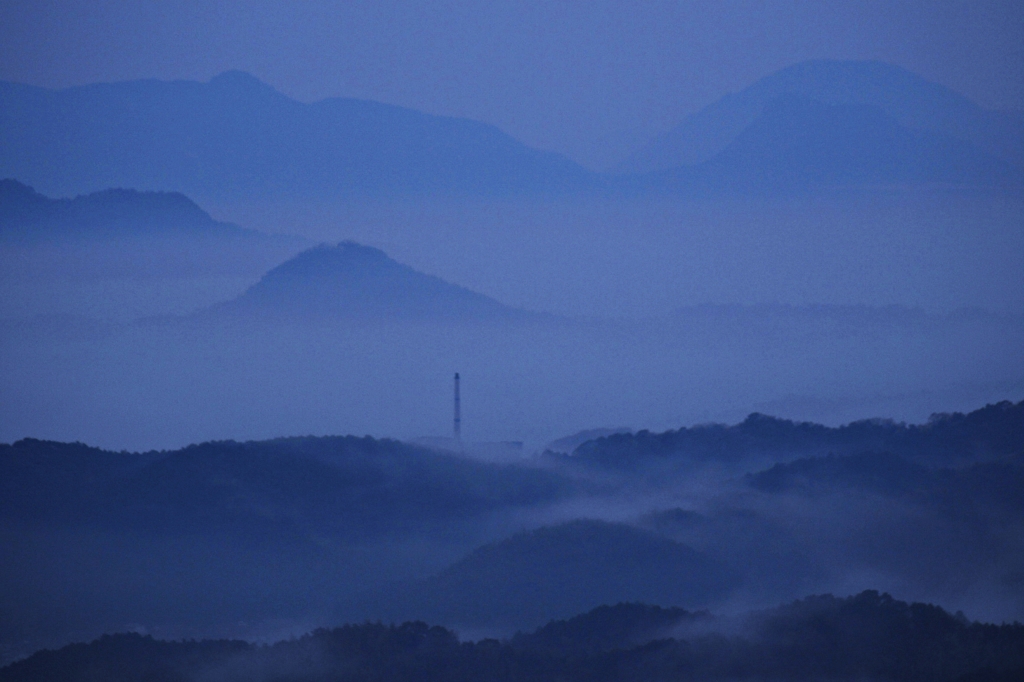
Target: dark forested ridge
(869, 636)
(342, 485)
(238, 539)
(225, 532)
(992, 431)
(556, 571)
(996, 485)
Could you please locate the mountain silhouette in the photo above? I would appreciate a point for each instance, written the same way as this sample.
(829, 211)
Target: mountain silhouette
(355, 281)
(340, 486)
(911, 101)
(991, 432)
(798, 142)
(237, 136)
(558, 571)
(28, 215)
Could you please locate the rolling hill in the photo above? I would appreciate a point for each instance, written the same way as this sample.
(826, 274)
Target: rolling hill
(992, 432)
(557, 571)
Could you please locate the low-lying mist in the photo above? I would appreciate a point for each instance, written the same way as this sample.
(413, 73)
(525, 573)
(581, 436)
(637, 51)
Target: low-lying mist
(938, 249)
(608, 317)
(270, 538)
(167, 383)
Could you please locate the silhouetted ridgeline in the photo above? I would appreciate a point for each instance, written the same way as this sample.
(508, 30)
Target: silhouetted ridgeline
(798, 143)
(234, 539)
(112, 213)
(813, 124)
(865, 637)
(918, 107)
(344, 486)
(556, 571)
(350, 280)
(996, 485)
(237, 136)
(993, 431)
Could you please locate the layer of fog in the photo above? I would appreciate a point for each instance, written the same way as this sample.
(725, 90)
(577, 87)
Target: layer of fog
(932, 248)
(167, 384)
(123, 279)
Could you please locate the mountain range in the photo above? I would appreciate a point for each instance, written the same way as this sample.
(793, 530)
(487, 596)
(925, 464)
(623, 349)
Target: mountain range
(813, 124)
(876, 89)
(236, 136)
(800, 143)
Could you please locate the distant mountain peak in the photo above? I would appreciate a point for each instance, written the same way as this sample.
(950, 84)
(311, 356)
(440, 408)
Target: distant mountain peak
(239, 80)
(911, 101)
(353, 280)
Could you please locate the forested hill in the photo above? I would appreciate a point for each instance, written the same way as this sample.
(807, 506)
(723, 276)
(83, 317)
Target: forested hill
(556, 571)
(992, 431)
(277, 489)
(865, 637)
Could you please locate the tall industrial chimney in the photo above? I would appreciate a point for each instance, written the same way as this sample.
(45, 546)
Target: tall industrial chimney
(458, 411)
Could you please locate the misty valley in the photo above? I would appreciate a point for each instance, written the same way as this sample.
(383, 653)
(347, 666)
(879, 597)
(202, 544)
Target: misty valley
(745, 405)
(268, 540)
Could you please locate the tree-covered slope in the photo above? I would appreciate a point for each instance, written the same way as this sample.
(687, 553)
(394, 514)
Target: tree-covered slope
(992, 431)
(555, 571)
(341, 486)
(865, 637)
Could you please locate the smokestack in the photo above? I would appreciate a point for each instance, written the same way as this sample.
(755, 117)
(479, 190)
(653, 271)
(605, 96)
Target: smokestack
(458, 411)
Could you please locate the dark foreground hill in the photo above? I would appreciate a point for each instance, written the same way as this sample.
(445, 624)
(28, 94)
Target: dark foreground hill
(865, 637)
(340, 487)
(210, 537)
(556, 571)
(230, 539)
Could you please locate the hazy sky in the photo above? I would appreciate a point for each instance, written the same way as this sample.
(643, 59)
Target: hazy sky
(590, 79)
